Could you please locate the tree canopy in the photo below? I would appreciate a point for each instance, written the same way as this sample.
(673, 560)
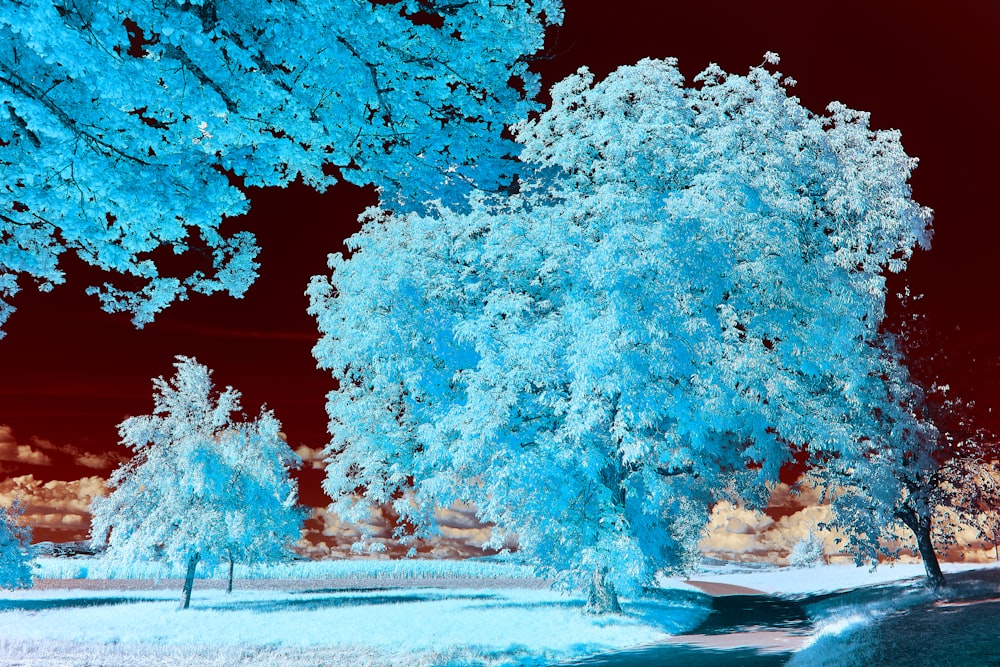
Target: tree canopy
(201, 486)
(128, 128)
(685, 292)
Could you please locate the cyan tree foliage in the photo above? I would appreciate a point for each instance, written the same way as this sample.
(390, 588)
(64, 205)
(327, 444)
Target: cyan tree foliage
(124, 125)
(687, 290)
(15, 548)
(202, 485)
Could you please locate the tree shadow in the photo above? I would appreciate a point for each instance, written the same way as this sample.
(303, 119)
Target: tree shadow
(68, 603)
(681, 655)
(336, 600)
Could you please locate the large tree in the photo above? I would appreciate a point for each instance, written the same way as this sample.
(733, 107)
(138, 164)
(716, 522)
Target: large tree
(685, 292)
(202, 486)
(127, 127)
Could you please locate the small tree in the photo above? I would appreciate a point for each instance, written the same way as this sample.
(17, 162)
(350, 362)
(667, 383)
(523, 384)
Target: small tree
(15, 550)
(263, 528)
(927, 456)
(931, 462)
(201, 486)
(807, 552)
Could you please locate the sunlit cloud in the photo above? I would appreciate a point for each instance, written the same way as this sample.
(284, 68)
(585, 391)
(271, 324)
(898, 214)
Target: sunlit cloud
(461, 535)
(11, 450)
(312, 456)
(97, 461)
(738, 533)
(42, 452)
(58, 504)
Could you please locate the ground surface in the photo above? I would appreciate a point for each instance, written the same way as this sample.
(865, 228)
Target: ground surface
(723, 616)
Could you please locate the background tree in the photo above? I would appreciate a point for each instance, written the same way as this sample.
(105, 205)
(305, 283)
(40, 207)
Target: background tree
(201, 486)
(939, 475)
(686, 291)
(130, 127)
(15, 548)
(959, 453)
(940, 451)
(891, 483)
(974, 494)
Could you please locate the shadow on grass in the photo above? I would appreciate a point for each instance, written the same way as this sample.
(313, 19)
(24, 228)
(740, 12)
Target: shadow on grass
(681, 656)
(335, 600)
(69, 603)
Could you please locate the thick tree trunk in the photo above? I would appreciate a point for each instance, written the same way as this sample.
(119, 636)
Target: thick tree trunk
(229, 587)
(189, 581)
(602, 599)
(921, 527)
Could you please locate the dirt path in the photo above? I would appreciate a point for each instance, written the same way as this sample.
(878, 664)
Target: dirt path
(716, 589)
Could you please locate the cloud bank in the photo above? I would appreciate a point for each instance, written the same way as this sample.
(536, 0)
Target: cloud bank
(57, 510)
(17, 456)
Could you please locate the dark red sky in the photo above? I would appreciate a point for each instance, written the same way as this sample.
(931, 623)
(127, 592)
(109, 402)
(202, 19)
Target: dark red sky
(69, 372)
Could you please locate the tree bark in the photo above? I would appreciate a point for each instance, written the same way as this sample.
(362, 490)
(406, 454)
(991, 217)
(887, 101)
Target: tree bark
(602, 598)
(189, 581)
(928, 555)
(920, 524)
(229, 587)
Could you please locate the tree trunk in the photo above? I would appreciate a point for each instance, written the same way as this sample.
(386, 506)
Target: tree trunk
(928, 555)
(229, 587)
(189, 581)
(602, 598)
(921, 526)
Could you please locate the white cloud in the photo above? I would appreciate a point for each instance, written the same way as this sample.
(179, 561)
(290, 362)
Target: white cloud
(101, 461)
(53, 504)
(39, 451)
(311, 456)
(461, 534)
(10, 450)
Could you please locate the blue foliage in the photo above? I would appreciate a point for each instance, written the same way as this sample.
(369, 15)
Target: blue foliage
(15, 548)
(200, 483)
(689, 289)
(128, 127)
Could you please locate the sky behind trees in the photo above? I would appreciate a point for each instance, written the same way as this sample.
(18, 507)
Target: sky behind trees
(70, 373)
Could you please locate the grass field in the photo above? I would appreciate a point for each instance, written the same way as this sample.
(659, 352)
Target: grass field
(462, 614)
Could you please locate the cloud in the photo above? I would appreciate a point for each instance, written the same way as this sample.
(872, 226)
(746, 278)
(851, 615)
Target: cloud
(312, 456)
(56, 504)
(11, 450)
(738, 533)
(458, 516)
(41, 452)
(97, 461)
(461, 534)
